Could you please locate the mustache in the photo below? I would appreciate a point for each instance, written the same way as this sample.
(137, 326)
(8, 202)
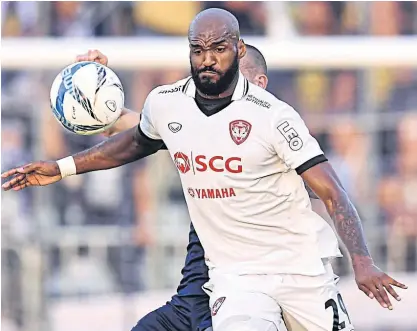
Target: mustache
(205, 69)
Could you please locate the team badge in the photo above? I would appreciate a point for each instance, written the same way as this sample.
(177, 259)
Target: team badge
(217, 304)
(239, 131)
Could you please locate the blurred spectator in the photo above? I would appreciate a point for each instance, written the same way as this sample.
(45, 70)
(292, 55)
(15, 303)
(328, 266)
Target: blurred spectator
(399, 202)
(312, 91)
(250, 14)
(343, 93)
(19, 18)
(349, 151)
(71, 19)
(164, 17)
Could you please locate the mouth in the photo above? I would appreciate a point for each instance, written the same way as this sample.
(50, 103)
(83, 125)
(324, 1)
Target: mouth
(209, 73)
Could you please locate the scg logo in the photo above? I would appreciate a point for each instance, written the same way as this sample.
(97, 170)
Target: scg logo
(203, 163)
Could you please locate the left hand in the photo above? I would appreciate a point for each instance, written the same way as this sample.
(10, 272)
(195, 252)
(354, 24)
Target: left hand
(93, 55)
(375, 283)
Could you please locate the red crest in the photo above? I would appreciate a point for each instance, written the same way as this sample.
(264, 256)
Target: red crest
(239, 131)
(182, 162)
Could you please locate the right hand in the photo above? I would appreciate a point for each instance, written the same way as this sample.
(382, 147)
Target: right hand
(93, 55)
(33, 174)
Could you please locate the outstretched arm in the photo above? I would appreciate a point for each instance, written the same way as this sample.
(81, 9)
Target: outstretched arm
(120, 149)
(323, 180)
(123, 148)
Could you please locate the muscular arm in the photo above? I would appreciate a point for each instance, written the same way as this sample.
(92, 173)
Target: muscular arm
(323, 180)
(126, 121)
(123, 148)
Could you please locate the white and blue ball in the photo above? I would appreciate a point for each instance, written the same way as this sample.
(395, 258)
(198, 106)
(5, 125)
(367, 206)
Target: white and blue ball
(87, 98)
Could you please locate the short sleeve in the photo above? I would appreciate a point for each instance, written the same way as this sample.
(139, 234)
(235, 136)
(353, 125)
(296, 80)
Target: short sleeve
(147, 124)
(293, 142)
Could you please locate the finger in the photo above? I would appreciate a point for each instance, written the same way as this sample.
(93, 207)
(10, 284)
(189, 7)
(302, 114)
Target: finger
(9, 173)
(365, 290)
(383, 293)
(81, 58)
(392, 291)
(21, 186)
(373, 288)
(27, 168)
(93, 55)
(398, 284)
(16, 181)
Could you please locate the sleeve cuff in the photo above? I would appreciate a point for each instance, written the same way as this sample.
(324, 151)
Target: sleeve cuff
(311, 163)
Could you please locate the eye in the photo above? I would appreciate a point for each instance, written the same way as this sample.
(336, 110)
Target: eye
(220, 49)
(197, 51)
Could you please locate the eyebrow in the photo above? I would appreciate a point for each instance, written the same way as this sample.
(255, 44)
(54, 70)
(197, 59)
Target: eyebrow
(215, 43)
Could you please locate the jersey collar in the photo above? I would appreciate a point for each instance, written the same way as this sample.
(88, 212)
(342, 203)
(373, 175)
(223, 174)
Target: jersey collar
(241, 89)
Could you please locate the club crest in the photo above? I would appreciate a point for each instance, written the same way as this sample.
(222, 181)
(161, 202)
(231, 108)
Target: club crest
(239, 131)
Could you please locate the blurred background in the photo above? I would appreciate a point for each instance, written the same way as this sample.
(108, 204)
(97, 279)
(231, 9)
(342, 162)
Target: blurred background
(98, 251)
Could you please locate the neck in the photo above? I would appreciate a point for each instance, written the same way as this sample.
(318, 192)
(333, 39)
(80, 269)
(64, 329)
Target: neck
(229, 91)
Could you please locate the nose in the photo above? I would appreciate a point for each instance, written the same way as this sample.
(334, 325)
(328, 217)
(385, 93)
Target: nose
(209, 59)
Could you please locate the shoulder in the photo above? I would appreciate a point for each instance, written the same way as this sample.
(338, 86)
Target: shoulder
(262, 99)
(170, 89)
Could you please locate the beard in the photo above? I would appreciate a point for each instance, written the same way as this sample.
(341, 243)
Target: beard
(214, 88)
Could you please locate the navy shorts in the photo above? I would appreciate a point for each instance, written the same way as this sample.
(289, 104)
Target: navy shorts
(189, 309)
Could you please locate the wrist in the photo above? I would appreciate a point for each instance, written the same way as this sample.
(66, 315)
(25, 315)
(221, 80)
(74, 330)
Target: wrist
(67, 166)
(360, 261)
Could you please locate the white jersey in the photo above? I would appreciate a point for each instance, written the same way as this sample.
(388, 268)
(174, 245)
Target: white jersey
(238, 167)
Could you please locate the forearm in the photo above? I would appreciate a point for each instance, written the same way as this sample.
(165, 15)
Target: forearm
(349, 227)
(123, 148)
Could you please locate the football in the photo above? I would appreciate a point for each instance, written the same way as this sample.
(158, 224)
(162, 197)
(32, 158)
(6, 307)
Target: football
(87, 98)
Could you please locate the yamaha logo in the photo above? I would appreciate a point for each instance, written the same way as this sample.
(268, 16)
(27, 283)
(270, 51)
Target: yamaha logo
(174, 127)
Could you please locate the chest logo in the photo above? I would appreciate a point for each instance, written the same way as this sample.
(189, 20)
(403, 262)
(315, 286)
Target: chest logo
(239, 131)
(174, 127)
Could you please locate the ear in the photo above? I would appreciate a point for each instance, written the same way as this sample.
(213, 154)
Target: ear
(241, 49)
(261, 81)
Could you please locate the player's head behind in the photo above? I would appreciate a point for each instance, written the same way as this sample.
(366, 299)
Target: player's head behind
(215, 50)
(253, 66)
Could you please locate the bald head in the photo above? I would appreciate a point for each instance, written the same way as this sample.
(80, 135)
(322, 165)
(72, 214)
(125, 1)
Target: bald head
(215, 22)
(253, 66)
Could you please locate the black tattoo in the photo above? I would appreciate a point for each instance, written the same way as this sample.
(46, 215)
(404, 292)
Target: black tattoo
(348, 226)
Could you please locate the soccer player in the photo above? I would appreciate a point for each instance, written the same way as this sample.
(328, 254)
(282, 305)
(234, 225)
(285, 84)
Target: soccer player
(189, 307)
(242, 155)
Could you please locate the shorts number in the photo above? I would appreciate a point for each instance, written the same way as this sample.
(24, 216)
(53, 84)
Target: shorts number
(331, 303)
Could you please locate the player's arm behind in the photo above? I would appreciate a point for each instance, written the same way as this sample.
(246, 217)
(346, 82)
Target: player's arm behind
(123, 148)
(127, 120)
